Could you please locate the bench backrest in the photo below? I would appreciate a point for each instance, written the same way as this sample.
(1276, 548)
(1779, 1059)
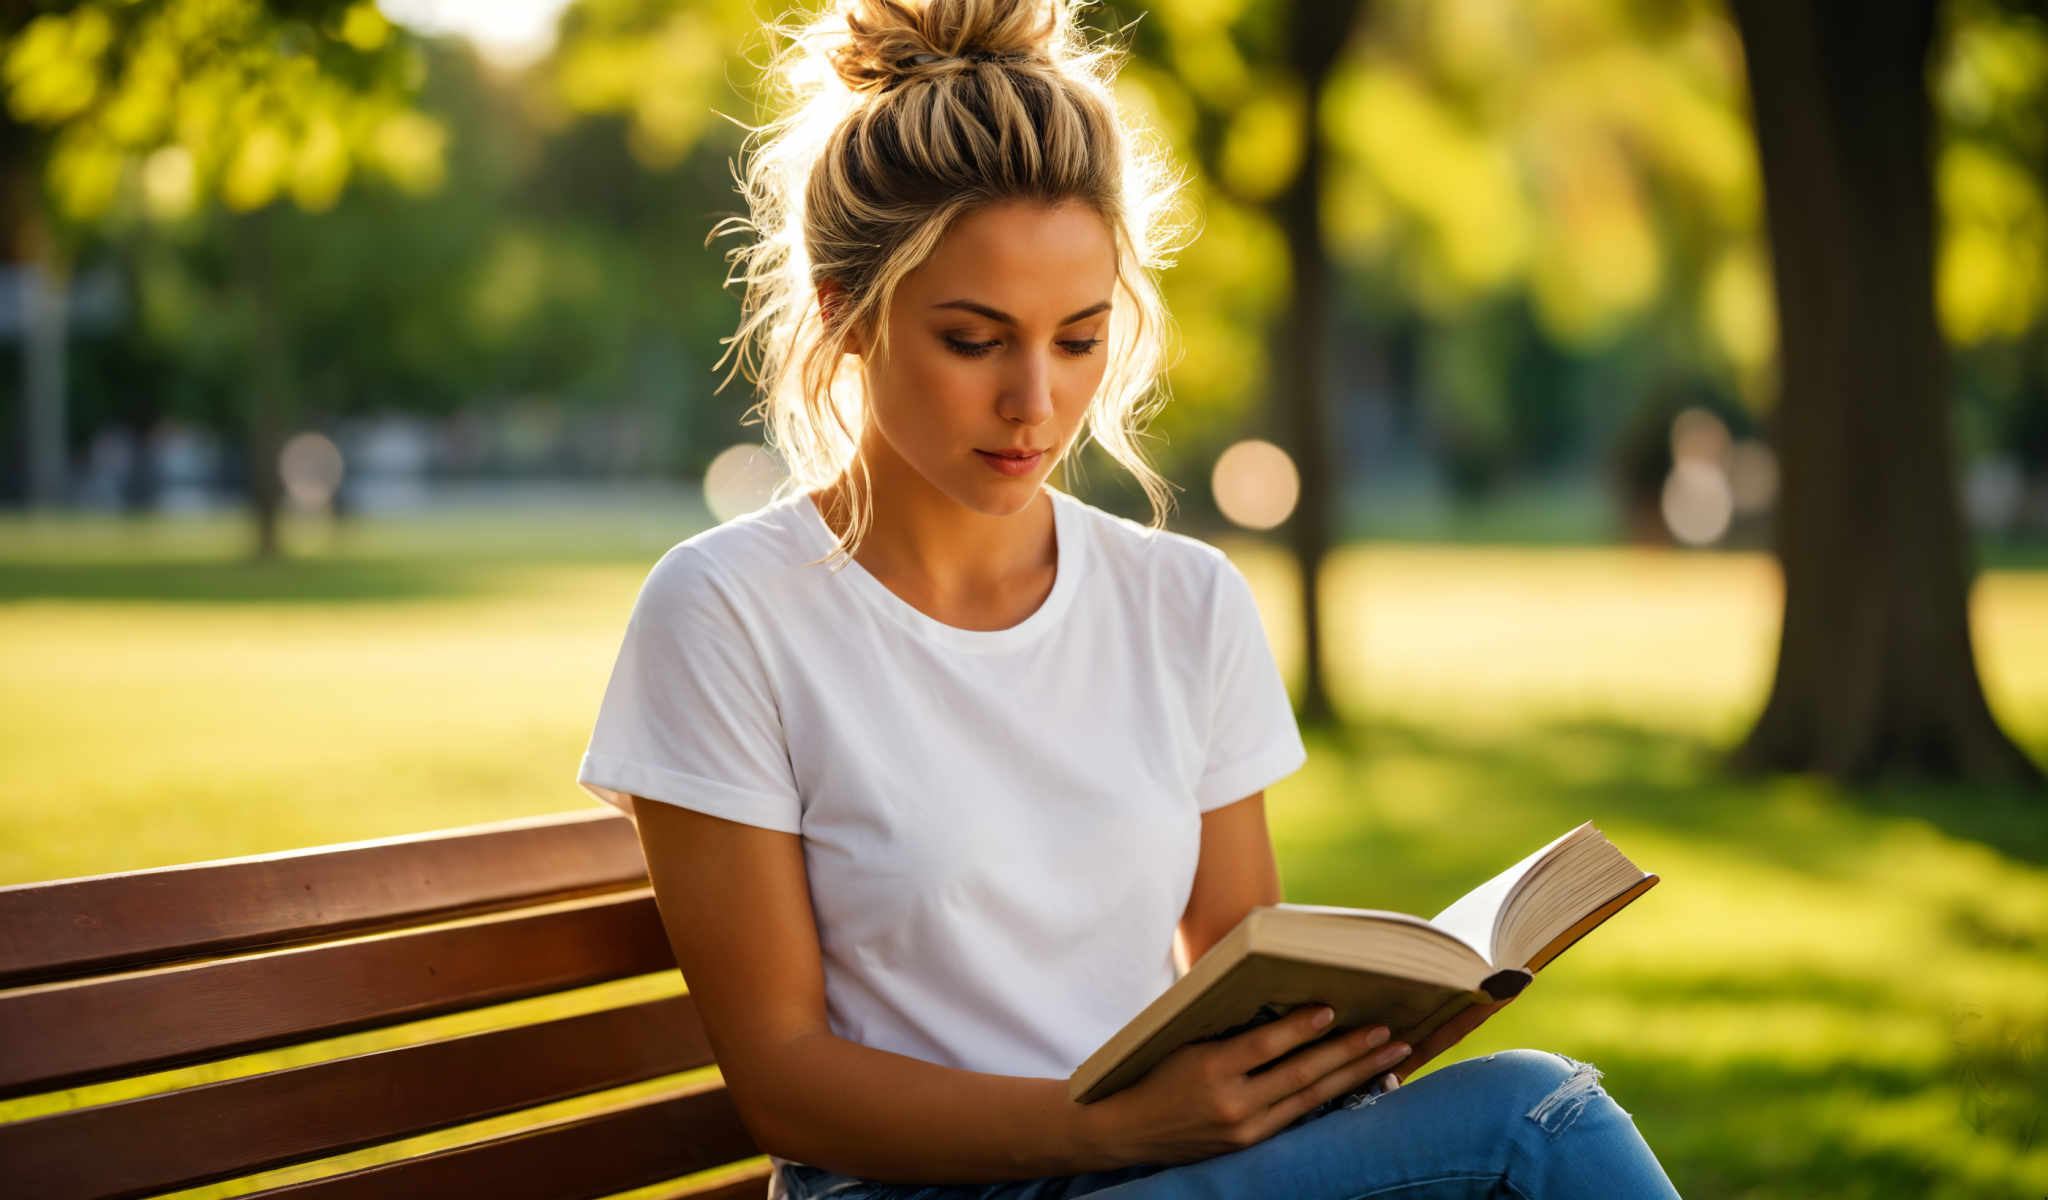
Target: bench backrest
(112, 977)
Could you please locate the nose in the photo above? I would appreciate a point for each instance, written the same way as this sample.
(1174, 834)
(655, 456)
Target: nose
(1026, 395)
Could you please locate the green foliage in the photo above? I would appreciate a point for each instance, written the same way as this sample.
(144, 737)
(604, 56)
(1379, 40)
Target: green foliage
(1992, 89)
(160, 107)
(1551, 203)
(665, 67)
(1592, 154)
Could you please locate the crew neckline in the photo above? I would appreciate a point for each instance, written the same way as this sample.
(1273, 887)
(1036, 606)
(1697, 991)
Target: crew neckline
(1066, 578)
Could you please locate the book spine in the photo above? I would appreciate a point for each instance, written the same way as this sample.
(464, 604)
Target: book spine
(1506, 985)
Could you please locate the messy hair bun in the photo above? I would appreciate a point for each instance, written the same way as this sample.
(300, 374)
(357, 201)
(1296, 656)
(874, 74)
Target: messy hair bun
(899, 43)
(898, 117)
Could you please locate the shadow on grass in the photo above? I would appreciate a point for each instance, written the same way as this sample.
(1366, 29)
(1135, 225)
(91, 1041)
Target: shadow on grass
(310, 581)
(1396, 813)
(1764, 1129)
(1677, 782)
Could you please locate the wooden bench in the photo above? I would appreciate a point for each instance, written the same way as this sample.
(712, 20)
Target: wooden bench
(113, 977)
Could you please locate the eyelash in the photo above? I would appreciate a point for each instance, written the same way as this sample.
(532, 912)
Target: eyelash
(977, 349)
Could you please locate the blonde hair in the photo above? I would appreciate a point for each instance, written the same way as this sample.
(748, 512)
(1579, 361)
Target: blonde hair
(902, 117)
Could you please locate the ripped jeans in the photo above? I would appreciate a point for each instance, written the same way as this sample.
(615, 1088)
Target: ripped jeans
(1517, 1123)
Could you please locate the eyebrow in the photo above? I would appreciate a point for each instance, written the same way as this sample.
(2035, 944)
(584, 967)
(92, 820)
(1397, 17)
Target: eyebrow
(997, 314)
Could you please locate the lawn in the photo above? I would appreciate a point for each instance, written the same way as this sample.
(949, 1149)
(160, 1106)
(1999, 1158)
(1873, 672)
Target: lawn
(1831, 993)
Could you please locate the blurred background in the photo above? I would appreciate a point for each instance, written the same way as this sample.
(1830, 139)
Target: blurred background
(1626, 410)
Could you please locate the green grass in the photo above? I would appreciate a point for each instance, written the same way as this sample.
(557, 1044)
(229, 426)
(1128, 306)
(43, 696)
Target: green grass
(1831, 993)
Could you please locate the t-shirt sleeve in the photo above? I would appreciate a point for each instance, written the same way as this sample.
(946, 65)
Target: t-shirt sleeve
(689, 716)
(1253, 739)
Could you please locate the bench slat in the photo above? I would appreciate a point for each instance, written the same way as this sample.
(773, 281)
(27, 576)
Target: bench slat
(752, 1186)
(66, 1034)
(220, 1130)
(98, 923)
(630, 1146)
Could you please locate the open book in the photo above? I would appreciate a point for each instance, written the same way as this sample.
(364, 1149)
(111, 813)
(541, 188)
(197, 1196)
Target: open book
(1376, 967)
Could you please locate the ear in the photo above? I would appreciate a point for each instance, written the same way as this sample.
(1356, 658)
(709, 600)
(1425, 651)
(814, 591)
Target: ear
(831, 298)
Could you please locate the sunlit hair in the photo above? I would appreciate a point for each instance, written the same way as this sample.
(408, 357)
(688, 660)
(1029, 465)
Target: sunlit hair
(898, 118)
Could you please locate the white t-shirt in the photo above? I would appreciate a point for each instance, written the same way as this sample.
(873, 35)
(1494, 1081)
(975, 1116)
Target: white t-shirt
(1000, 827)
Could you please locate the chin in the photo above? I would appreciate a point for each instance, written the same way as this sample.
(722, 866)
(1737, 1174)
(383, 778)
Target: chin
(1008, 500)
(1001, 497)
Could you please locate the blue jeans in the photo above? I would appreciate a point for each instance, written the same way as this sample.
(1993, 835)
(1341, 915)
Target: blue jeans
(1517, 1123)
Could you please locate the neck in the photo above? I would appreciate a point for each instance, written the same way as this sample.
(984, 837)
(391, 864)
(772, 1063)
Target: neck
(922, 537)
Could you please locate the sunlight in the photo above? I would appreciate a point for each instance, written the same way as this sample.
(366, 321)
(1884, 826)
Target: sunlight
(511, 31)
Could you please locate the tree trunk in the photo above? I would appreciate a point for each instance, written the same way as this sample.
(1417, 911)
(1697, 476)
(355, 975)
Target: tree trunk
(1316, 33)
(40, 253)
(267, 398)
(46, 303)
(1875, 673)
(24, 243)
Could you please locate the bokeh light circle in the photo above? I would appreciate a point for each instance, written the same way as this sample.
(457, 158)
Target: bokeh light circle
(1700, 436)
(310, 466)
(1697, 502)
(1255, 484)
(741, 479)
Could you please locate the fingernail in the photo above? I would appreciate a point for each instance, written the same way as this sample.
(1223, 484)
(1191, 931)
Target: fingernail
(1323, 1017)
(1400, 1050)
(1379, 1034)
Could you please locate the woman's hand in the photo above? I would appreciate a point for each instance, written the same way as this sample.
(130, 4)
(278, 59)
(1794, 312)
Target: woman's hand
(1203, 1099)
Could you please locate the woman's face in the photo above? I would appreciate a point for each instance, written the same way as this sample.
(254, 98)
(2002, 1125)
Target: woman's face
(997, 342)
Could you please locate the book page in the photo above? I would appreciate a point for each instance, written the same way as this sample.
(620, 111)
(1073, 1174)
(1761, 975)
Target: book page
(1473, 915)
(1387, 915)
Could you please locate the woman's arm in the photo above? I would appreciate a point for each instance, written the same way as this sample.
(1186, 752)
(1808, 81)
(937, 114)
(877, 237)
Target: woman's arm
(1236, 871)
(735, 902)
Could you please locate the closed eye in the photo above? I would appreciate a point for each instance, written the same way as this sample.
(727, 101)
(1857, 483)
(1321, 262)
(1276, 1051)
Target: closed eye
(1081, 349)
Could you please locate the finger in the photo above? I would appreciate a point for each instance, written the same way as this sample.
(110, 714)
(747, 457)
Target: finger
(1306, 1063)
(1347, 1078)
(1340, 1064)
(1256, 1047)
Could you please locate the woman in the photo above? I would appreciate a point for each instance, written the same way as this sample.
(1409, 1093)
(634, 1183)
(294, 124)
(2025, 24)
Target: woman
(941, 774)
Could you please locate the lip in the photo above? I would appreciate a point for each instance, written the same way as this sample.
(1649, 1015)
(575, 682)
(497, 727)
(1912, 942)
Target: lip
(1012, 466)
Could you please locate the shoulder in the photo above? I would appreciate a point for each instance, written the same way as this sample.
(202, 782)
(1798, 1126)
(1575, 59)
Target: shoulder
(746, 558)
(762, 544)
(1160, 565)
